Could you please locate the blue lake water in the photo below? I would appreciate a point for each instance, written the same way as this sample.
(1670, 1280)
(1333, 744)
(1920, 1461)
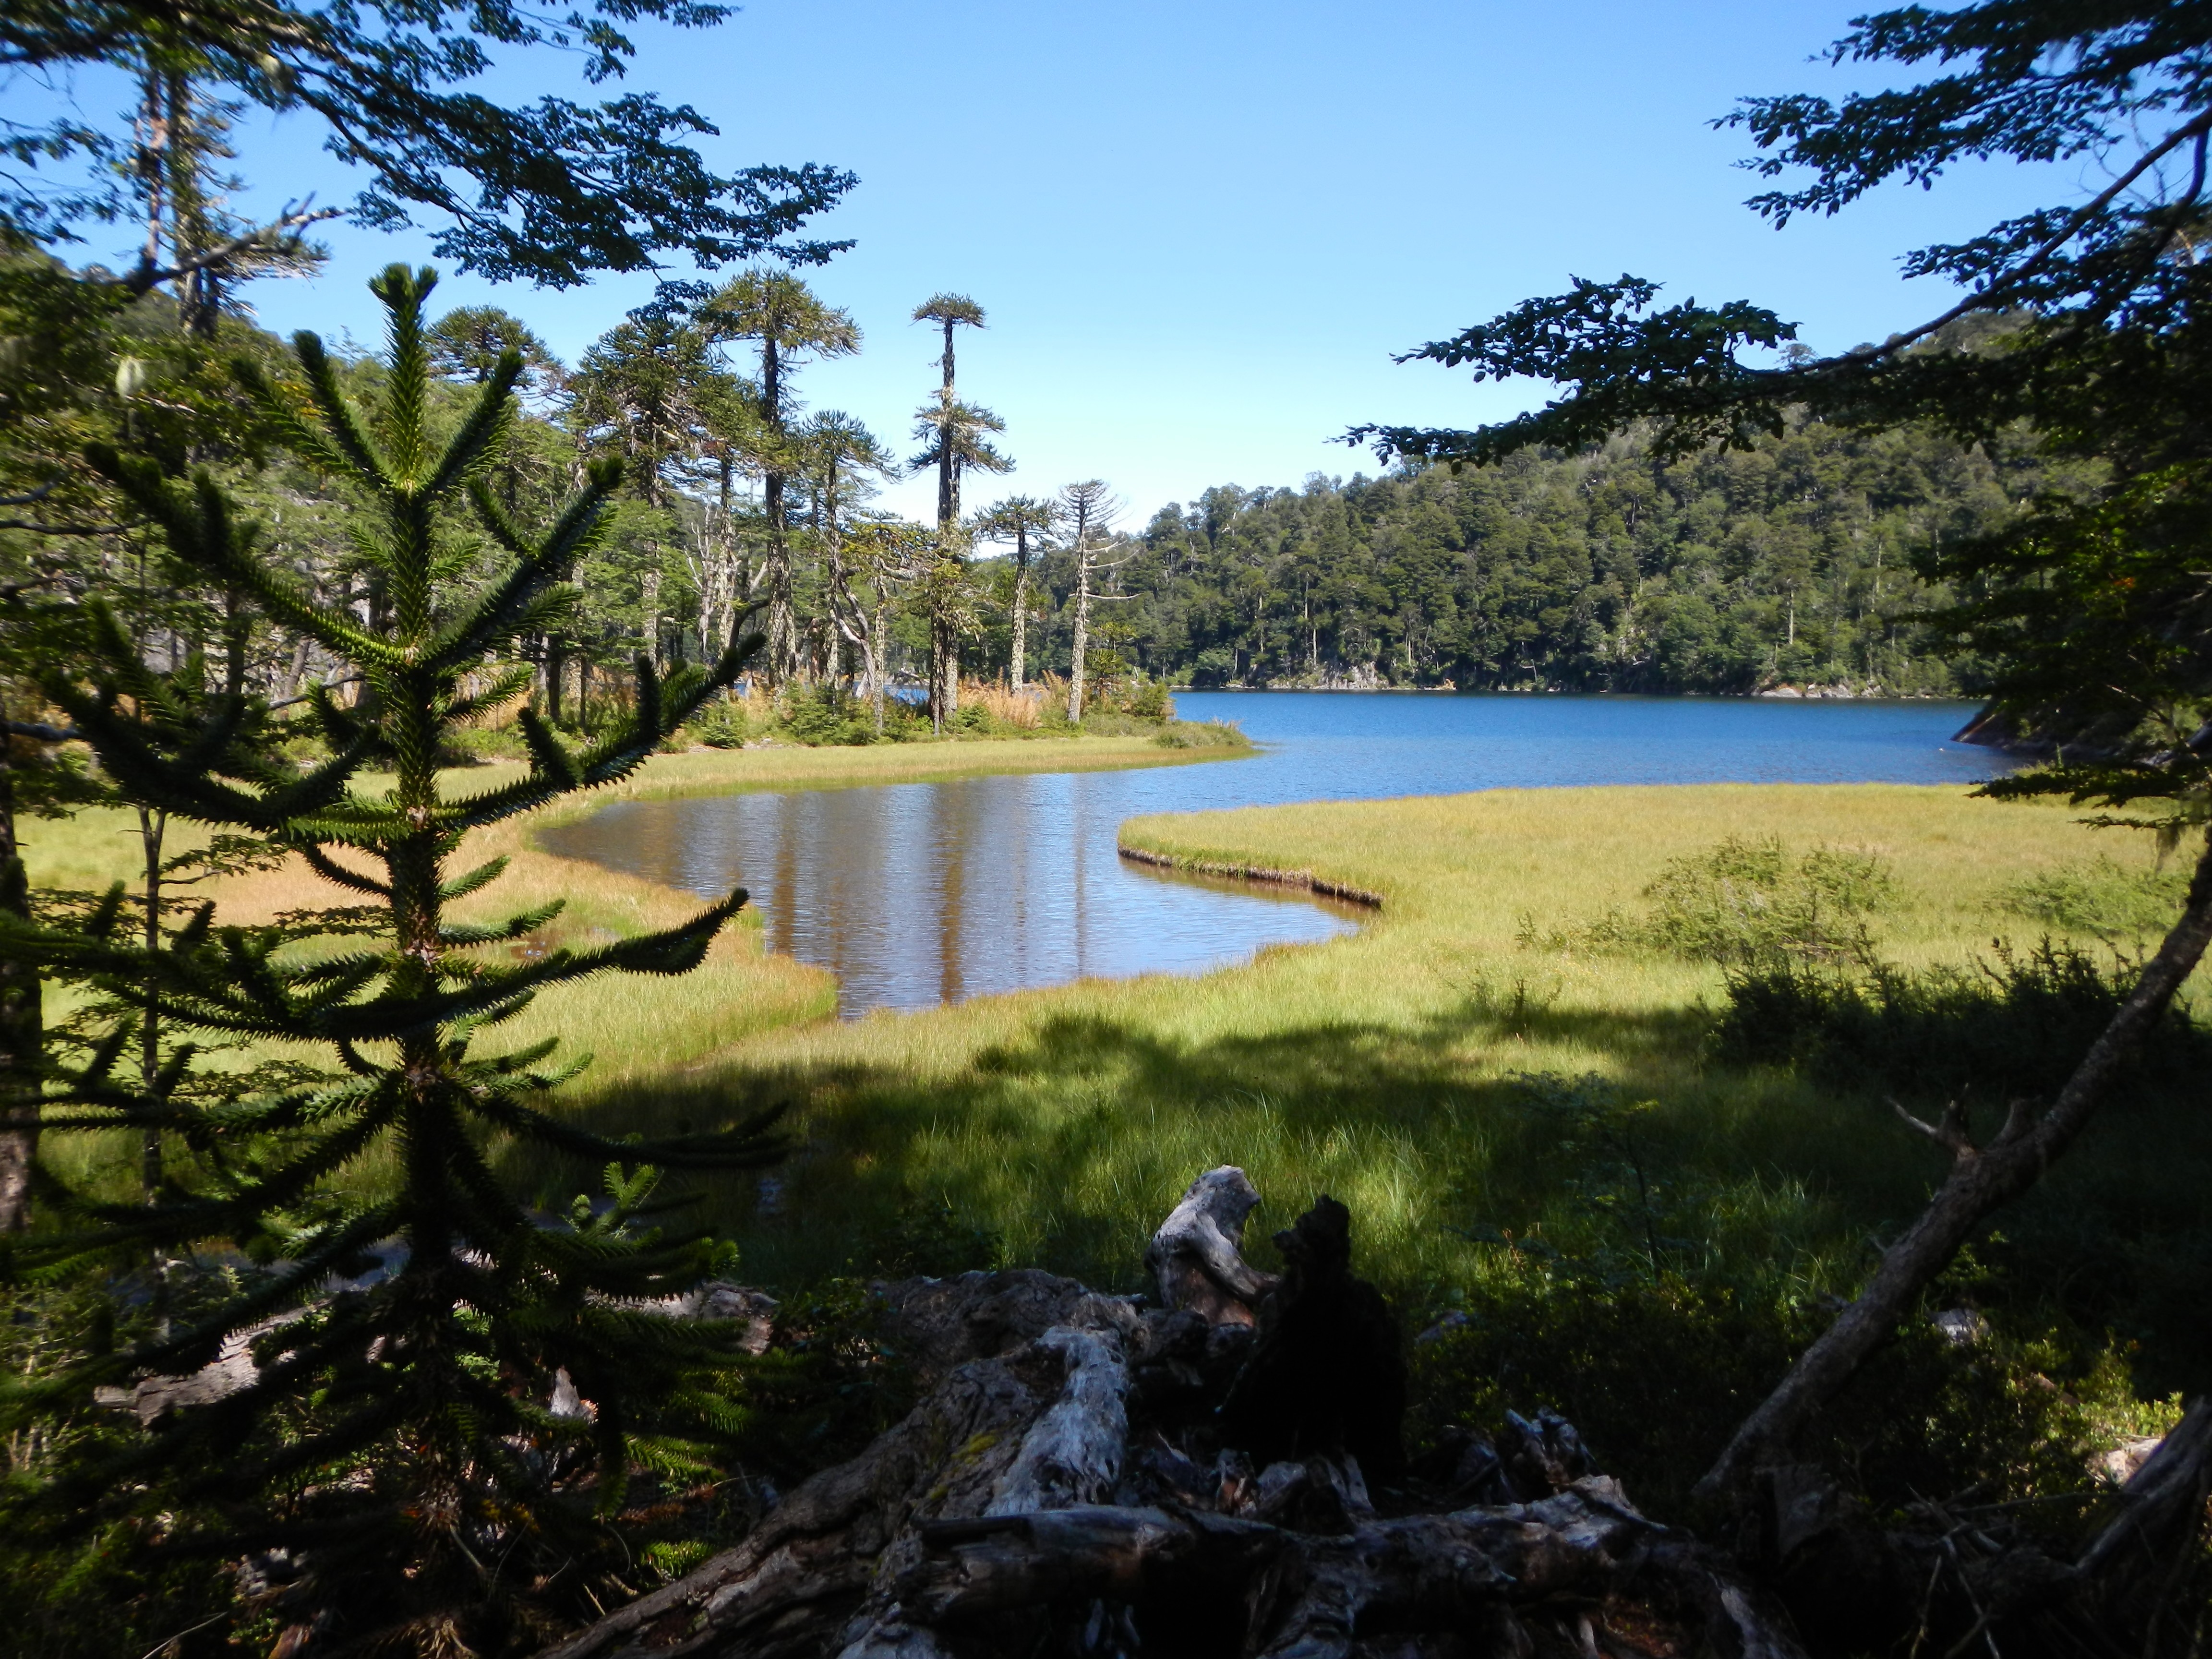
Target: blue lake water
(923, 893)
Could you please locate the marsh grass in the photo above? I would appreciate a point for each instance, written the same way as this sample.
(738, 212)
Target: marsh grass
(1702, 1205)
(641, 1033)
(1383, 1067)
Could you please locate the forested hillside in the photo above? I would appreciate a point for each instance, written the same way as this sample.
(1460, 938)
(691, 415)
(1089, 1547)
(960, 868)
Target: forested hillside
(1789, 565)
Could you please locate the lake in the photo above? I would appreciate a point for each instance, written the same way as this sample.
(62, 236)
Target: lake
(919, 894)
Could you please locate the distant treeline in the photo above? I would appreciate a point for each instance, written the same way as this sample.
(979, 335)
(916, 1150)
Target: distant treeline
(1791, 564)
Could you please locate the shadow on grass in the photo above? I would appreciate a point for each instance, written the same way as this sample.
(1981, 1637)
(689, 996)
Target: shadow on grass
(1070, 1143)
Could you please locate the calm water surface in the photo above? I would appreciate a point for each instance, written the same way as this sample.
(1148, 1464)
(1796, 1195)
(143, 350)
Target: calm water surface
(922, 893)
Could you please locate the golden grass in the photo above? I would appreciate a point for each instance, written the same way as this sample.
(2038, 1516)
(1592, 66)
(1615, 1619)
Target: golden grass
(1380, 1067)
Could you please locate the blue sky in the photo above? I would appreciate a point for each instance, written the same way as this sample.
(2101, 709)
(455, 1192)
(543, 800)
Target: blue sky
(1200, 229)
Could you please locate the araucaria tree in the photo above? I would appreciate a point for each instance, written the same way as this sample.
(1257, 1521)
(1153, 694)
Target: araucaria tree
(1088, 510)
(790, 321)
(2082, 330)
(395, 1436)
(1024, 521)
(956, 438)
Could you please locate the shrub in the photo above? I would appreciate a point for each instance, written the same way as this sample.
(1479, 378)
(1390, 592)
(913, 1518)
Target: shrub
(2013, 1023)
(828, 713)
(720, 725)
(1747, 905)
(2102, 900)
(1148, 700)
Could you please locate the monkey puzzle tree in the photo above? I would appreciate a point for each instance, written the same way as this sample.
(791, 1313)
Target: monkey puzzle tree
(1016, 520)
(394, 1433)
(1088, 509)
(839, 454)
(955, 439)
(2084, 326)
(791, 322)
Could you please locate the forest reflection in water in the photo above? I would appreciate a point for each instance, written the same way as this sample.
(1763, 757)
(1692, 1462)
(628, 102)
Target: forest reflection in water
(919, 894)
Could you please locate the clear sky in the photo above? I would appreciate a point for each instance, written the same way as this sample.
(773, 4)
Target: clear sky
(1201, 229)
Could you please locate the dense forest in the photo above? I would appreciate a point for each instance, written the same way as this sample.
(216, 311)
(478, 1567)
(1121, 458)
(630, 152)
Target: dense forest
(1789, 565)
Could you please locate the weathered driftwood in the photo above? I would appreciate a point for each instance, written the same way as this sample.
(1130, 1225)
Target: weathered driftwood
(1197, 1256)
(1062, 1487)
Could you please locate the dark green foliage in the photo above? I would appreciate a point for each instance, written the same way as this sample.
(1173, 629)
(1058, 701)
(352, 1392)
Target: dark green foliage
(2012, 1024)
(827, 713)
(2106, 1248)
(830, 1384)
(397, 1437)
(2098, 608)
(1655, 1375)
(1614, 569)
(551, 192)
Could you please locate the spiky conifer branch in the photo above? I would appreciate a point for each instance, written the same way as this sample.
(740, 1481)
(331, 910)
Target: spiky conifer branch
(452, 1348)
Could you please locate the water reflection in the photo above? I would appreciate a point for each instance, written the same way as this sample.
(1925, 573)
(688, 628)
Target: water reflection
(918, 894)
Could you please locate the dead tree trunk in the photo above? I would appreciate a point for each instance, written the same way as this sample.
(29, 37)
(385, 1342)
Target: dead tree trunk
(1062, 1488)
(1983, 1180)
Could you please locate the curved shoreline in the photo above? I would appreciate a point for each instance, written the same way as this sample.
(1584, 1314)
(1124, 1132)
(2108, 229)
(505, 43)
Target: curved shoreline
(1303, 880)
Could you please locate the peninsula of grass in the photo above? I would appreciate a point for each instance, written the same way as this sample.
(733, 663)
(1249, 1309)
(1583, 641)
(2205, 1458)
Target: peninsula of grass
(1519, 1113)
(1543, 1135)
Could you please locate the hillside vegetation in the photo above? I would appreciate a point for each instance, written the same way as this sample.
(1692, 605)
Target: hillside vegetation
(1792, 563)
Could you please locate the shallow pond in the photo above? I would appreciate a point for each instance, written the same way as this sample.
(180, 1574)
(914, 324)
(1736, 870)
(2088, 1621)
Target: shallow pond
(922, 893)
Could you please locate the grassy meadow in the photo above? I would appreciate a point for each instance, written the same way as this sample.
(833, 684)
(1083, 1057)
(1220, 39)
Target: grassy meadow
(1387, 1068)
(1515, 1111)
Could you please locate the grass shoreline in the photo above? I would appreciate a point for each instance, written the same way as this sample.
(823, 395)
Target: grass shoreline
(1443, 1070)
(1380, 1067)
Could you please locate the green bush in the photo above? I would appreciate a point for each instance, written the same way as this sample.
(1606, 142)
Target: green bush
(2102, 900)
(1201, 734)
(1747, 905)
(1148, 700)
(2014, 1024)
(720, 725)
(828, 713)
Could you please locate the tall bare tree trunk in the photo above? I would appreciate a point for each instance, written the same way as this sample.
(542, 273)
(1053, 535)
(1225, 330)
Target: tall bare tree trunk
(944, 643)
(1983, 1179)
(1078, 663)
(782, 616)
(1017, 668)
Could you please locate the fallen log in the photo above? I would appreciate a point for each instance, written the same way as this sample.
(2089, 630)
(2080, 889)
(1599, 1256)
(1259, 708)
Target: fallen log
(1055, 1492)
(1076, 1481)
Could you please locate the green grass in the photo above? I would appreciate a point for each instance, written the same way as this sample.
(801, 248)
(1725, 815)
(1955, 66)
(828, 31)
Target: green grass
(643, 1033)
(1472, 1084)
(1385, 1067)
